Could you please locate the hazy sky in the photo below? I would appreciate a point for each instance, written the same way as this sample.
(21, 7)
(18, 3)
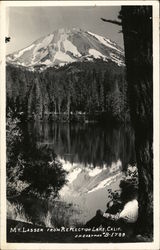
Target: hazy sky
(26, 24)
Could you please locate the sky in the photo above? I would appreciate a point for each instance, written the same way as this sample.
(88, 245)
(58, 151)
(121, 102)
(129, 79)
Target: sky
(27, 24)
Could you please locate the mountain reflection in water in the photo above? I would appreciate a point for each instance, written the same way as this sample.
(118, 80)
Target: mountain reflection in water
(93, 156)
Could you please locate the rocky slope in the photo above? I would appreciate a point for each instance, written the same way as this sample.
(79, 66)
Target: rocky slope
(65, 46)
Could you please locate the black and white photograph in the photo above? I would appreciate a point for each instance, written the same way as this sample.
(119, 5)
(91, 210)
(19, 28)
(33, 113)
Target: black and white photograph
(80, 122)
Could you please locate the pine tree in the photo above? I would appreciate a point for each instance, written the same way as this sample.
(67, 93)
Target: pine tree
(137, 31)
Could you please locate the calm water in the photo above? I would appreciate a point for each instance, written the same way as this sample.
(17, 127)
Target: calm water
(93, 156)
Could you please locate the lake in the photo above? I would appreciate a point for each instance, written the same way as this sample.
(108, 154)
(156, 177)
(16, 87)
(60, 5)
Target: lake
(94, 157)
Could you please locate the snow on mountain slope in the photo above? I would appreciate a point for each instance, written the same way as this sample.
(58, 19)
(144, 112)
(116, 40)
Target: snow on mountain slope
(66, 46)
(96, 54)
(106, 42)
(21, 52)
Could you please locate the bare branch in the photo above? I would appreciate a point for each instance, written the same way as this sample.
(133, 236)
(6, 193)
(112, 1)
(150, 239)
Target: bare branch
(112, 21)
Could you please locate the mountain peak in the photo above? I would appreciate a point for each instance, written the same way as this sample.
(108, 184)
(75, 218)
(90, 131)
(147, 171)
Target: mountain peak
(68, 30)
(66, 45)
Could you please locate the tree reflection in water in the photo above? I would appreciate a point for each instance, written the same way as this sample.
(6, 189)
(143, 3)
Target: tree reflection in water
(88, 144)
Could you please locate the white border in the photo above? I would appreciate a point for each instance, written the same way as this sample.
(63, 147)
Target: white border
(151, 246)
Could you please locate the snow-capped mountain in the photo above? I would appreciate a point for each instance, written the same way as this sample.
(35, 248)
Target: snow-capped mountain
(65, 46)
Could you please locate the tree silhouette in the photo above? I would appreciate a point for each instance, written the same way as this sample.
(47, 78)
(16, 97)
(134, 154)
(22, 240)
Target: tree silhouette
(136, 24)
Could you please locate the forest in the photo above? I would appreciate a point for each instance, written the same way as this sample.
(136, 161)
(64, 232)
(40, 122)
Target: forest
(79, 91)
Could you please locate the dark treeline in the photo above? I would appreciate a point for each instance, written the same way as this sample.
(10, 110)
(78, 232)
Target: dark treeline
(78, 88)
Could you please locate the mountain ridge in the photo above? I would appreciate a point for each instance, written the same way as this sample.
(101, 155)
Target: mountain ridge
(64, 46)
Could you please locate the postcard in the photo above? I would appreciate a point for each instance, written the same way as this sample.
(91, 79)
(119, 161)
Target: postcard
(79, 125)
